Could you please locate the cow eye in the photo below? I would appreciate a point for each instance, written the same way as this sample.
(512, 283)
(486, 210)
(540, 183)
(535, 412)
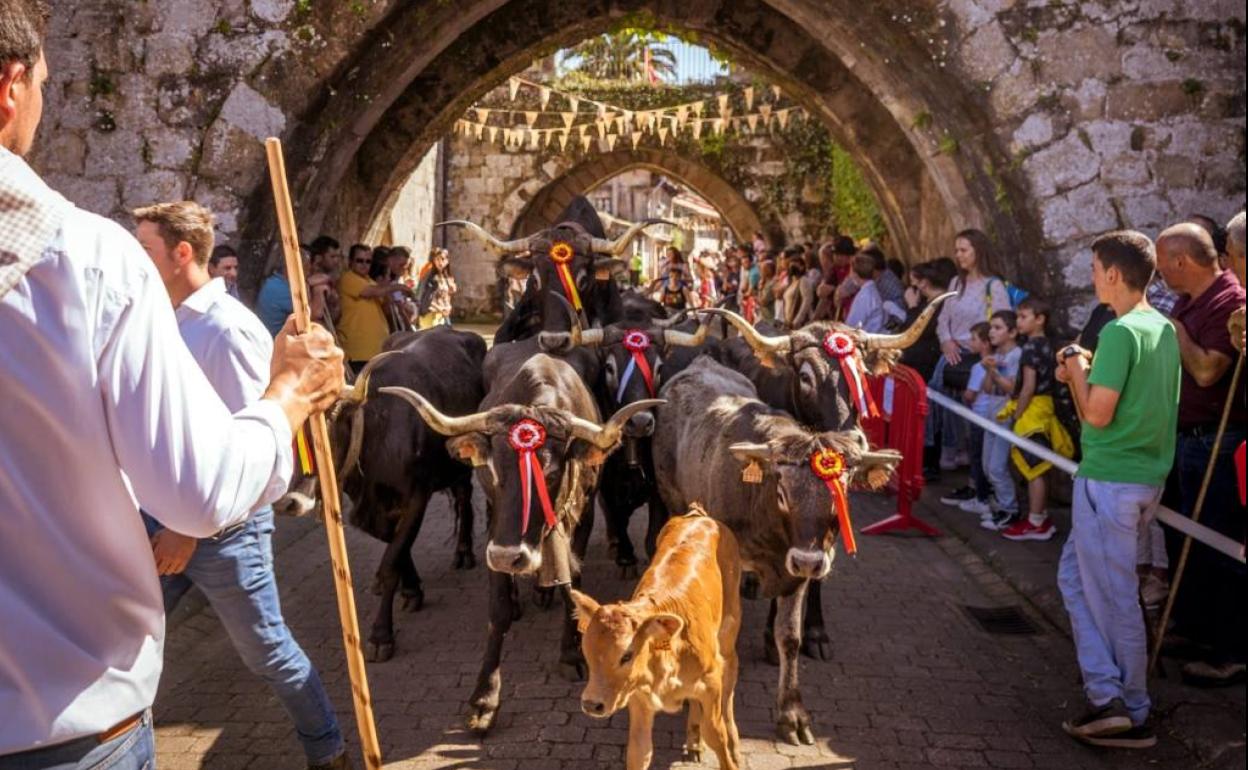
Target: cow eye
(626, 658)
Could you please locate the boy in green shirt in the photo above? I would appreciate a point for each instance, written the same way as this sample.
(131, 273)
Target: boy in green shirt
(1127, 397)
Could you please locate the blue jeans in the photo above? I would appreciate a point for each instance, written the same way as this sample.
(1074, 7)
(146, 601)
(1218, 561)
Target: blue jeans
(951, 427)
(979, 479)
(1212, 582)
(1100, 588)
(996, 467)
(134, 750)
(236, 575)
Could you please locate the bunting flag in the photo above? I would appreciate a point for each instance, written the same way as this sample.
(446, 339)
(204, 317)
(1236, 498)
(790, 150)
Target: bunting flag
(697, 129)
(544, 95)
(568, 118)
(663, 135)
(697, 108)
(629, 116)
(493, 133)
(748, 93)
(682, 114)
(563, 141)
(530, 118)
(478, 129)
(775, 93)
(611, 139)
(483, 114)
(636, 137)
(723, 103)
(782, 117)
(765, 111)
(602, 129)
(513, 86)
(574, 103)
(585, 140)
(535, 138)
(752, 122)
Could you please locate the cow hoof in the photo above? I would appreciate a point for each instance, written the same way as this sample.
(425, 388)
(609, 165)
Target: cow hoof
(378, 652)
(692, 755)
(413, 602)
(481, 719)
(464, 560)
(750, 587)
(544, 597)
(818, 649)
(793, 727)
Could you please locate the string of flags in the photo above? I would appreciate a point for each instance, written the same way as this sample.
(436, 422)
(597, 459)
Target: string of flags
(607, 124)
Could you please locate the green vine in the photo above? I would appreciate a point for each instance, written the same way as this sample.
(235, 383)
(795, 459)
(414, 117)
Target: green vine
(854, 207)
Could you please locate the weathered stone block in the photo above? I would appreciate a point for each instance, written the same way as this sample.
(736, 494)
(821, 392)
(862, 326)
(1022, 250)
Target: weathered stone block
(1109, 137)
(152, 187)
(1146, 211)
(167, 54)
(92, 194)
(1065, 164)
(1148, 101)
(232, 157)
(1081, 212)
(1173, 172)
(169, 149)
(1035, 131)
(1072, 56)
(250, 112)
(114, 153)
(62, 152)
(986, 53)
(1014, 92)
(272, 10)
(1090, 99)
(186, 18)
(1128, 171)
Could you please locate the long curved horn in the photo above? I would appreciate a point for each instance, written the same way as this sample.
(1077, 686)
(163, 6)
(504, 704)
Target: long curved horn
(605, 437)
(616, 247)
(505, 247)
(478, 422)
(354, 445)
(912, 333)
(679, 339)
(358, 392)
(562, 342)
(759, 342)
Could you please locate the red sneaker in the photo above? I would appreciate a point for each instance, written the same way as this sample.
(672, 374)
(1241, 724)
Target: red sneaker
(1023, 529)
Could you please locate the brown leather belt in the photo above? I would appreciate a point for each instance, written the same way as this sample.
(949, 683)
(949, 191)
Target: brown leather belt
(121, 728)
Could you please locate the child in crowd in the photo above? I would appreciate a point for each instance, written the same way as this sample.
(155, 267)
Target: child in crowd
(1000, 372)
(866, 309)
(977, 395)
(1036, 420)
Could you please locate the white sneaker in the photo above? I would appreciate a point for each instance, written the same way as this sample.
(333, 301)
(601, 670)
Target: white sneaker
(979, 507)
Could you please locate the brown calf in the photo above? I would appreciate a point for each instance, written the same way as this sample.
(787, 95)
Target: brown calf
(674, 641)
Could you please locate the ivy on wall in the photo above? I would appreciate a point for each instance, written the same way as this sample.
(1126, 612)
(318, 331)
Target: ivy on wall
(854, 208)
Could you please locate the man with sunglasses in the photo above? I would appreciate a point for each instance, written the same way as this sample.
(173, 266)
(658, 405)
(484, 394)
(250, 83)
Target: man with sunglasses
(362, 326)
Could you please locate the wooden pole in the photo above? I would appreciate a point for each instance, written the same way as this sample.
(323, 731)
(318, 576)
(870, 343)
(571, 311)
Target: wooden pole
(330, 500)
(1160, 633)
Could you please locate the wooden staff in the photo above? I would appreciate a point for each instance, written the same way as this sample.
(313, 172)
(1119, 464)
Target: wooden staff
(330, 500)
(1160, 634)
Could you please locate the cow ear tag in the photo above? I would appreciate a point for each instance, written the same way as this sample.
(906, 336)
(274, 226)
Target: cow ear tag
(753, 473)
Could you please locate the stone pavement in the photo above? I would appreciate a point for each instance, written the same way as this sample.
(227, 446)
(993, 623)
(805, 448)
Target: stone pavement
(914, 681)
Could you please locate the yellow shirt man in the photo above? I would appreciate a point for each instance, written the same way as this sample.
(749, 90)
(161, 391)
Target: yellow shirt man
(363, 324)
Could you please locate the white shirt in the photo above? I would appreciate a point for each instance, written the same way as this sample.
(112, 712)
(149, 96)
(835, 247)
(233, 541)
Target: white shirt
(867, 310)
(228, 341)
(103, 405)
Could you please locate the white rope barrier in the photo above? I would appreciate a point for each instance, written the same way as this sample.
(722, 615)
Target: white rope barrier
(1195, 530)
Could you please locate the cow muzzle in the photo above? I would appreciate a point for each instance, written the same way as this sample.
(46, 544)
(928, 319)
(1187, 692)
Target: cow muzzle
(594, 708)
(640, 425)
(808, 563)
(513, 559)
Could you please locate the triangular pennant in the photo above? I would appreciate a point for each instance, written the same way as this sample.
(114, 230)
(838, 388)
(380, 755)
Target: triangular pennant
(585, 140)
(513, 87)
(563, 141)
(765, 111)
(574, 103)
(568, 118)
(544, 95)
(628, 116)
(782, 117)
(635, 137)
(651, 119)
(748, 93)
(620, 123)
(535, 139)
(775, 93)
(751, 121)
(483, 114)
(493, 133)
(602, 111)
(662, 134)
(611, 139)
(723, 103)
(602, 129)
(719, 125)
(530, 117)
(697, 108)
(478, 129)
(697, 129)
(682, 114)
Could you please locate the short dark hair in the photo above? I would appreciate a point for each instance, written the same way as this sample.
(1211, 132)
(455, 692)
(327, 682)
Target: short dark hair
(322, 244)
(1008, 317)
(356, 247)
(220, 252)
(845, 246)
(23, 24)
(1131, 252)
(1037, 306)
(980, 330)
(1216, 231)
(863, 265)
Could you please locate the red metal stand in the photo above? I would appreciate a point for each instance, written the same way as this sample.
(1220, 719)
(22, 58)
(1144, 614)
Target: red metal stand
(902, 398)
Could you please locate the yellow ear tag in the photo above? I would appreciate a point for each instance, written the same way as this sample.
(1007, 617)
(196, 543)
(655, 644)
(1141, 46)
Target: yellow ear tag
(753, 473)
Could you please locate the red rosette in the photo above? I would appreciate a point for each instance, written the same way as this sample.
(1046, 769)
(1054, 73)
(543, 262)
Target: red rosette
(636, 341)
(527, 435)
(838, 344)
(828, 464)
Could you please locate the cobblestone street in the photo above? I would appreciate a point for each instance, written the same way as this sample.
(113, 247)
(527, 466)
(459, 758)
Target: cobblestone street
(914, 681)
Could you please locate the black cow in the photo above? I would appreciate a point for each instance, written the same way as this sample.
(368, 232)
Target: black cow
(795, 372)
(544, 406)
(712, 433)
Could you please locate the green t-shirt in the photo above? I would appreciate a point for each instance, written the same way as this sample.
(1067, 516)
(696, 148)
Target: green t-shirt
(1137, 356)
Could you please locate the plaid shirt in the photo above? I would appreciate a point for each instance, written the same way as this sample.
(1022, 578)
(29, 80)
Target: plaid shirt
(1161, 297)
(31, 214)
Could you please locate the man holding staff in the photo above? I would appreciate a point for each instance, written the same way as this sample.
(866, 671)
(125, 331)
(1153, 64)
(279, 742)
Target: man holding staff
(106, 409)
(234, 568)
(1127, 397)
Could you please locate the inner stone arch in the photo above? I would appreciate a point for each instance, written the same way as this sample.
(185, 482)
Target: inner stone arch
(440, 62)
(544, 207)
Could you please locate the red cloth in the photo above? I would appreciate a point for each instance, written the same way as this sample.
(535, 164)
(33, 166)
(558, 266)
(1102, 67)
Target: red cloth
(1239, 467)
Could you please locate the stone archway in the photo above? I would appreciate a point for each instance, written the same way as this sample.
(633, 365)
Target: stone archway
(543, 207)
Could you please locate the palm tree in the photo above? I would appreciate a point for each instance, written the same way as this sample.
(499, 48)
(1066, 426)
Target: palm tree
(623, 55)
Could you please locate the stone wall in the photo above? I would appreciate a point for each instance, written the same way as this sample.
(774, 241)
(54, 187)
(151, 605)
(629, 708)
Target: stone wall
(418, 208)
(1043, 121)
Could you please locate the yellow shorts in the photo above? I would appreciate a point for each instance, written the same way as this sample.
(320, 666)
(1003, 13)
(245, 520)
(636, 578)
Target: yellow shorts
(1038, 423)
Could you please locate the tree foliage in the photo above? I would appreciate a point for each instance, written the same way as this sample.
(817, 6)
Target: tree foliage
(622, 56)
(854, 208)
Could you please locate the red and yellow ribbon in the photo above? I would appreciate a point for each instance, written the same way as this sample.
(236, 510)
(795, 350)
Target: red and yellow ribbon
(840, 346)
(829, 465)
(303, 450)
(561, 253)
